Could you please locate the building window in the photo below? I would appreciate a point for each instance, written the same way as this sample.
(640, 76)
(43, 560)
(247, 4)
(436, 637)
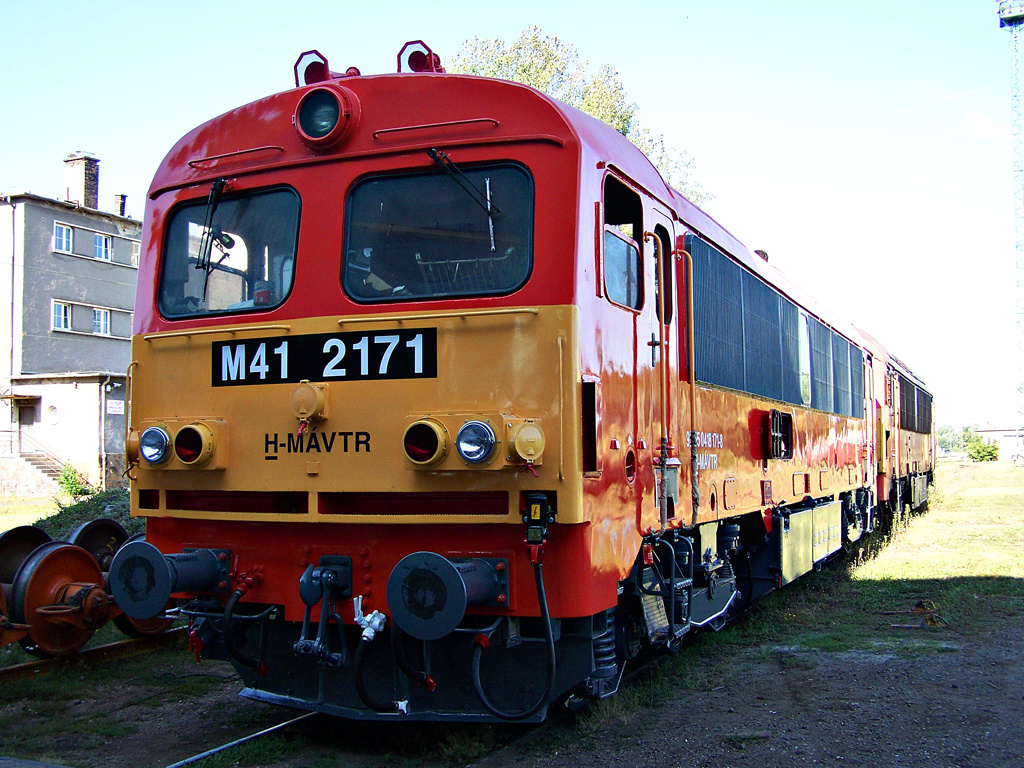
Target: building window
(101, 322)
(63, 238)
(136, 247)
(102, 246)
(61, 320)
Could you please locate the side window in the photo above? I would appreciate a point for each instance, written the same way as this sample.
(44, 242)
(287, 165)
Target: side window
(622, 271)
(669, 268)
(623, 231)
(805, 361)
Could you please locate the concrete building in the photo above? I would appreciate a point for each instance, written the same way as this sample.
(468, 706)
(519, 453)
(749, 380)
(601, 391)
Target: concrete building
(69, 270)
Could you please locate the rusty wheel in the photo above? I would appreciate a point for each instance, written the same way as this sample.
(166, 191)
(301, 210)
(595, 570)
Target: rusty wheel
(101, 539)
(15, 547)
(143, 627)
(9, 632)
(59, 592)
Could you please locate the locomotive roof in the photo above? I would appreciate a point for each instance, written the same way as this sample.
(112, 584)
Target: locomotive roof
(400, 113)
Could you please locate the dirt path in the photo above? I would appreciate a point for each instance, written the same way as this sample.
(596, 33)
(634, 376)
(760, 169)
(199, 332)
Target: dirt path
(959, 708)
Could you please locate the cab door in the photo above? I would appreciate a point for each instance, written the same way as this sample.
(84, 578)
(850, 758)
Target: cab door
(657, 373)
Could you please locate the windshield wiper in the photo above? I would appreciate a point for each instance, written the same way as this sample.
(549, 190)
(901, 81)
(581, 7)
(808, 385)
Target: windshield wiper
(483, 199)
(206, 244)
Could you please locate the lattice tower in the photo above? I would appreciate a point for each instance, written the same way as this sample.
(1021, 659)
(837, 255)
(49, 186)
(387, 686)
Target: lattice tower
(1011, 15)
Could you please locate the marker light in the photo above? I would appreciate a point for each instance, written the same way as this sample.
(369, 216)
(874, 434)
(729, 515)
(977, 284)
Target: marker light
(193, 444)
(475, 442)
(154, 445)
(426, 443)
(311, 67)
(325, 115)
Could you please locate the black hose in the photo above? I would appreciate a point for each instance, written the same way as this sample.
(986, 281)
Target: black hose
(417, 675)
(357, 677)
(550, 682)
(229, 637)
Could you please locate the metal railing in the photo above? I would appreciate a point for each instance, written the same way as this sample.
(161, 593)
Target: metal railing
(17, 443)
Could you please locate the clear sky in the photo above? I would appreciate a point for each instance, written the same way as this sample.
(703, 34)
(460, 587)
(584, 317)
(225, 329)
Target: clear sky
(865, 146)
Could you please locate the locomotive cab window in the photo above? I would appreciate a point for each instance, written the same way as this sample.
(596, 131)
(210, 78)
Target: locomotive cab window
(623, 229)
(230, 254)
(622, 270)
(456, 231)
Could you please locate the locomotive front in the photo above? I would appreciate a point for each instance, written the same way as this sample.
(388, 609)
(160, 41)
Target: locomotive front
(351, 392)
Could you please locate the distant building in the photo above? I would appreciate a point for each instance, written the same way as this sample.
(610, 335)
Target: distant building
(1008, 441)
(69, 271)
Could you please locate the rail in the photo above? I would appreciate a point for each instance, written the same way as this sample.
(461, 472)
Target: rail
(120, 649)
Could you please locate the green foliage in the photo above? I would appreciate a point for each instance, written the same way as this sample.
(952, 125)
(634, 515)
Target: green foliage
(111, 504)
(948, 438)
(979, 450)
(72, 483)
(554, 67)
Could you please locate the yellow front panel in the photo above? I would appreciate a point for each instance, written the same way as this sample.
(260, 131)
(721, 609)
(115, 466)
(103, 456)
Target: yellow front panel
(505, 367)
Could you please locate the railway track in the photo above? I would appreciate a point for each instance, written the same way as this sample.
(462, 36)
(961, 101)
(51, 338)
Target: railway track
(121, 649)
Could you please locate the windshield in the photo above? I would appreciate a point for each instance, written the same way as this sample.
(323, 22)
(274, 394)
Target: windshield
(230, 254)
(453, 232)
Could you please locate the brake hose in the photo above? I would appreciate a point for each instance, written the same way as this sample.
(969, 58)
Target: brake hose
(417, 675)
(482, 641)
(234, 652)
(371, 625)
(360, 681)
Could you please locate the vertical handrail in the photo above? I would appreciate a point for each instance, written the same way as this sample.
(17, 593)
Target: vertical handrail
(662, 378)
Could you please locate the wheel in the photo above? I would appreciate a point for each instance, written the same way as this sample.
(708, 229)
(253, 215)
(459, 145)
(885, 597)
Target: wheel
(101, 539)
(629, 634)
(15, 546)
(59, 592)
(142, 627)
(9, 632)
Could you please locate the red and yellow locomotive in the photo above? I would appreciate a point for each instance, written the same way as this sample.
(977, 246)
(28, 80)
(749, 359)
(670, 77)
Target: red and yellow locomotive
(443, 404)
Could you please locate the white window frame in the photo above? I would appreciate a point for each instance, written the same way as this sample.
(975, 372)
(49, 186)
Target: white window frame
(136, 250)
(61, 321)
(102, 247)
(101, 322)
(63, 234)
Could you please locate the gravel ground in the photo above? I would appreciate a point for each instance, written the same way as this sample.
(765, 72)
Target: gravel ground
(959, 707)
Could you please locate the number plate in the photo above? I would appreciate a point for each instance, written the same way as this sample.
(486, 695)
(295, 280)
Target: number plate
(400, 354)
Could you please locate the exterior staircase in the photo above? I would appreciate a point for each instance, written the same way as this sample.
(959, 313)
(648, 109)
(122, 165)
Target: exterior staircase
(49, 466)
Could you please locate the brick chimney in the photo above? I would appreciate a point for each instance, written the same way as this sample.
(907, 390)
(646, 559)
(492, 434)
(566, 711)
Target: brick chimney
(82, 179)
(119, 201)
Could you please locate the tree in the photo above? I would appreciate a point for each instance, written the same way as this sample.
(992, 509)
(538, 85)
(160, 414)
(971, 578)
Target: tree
(980, 450)
(554, 67)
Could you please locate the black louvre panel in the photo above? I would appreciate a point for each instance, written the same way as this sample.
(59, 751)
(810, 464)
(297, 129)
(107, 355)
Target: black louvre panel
(821, 365)
(762, 340)
(924, 411)
(856, 381)
(789, 317)
(908, 404)
(840, 375)
(718, 316)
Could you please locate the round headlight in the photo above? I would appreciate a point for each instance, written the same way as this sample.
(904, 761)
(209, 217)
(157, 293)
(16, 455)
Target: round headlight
(325, 115)
(475, 442)
(154, 445)
(319, 113)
